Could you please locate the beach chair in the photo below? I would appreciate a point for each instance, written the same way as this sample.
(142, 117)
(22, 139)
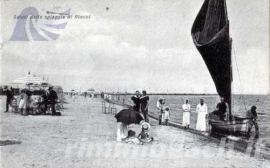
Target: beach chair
(105, 109)
(112, 108)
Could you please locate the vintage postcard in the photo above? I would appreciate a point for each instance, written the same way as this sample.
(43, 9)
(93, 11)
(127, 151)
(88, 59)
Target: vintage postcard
(134, 83)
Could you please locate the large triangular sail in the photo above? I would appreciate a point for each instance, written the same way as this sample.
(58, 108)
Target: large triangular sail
(210, 33)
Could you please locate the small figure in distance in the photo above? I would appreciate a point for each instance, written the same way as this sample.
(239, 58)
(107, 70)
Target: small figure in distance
(167, 115)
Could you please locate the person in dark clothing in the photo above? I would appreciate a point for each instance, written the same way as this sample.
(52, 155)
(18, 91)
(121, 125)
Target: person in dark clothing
(222, 109)
(44, 101)
(135, 101)
(144, 105)
(52, 99)
(252, 116)
(102, 95)
(9, 98)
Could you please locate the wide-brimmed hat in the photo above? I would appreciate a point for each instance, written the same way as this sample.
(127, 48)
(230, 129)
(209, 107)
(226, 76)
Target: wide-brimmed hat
(145, 126)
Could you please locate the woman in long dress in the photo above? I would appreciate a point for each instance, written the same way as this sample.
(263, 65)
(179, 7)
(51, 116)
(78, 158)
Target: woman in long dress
(23, 101)
(161, 108)
(122, 130)
(186, 114)
(201, 109)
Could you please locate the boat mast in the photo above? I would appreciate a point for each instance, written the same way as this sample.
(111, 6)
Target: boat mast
(231, 72)
(231, 75)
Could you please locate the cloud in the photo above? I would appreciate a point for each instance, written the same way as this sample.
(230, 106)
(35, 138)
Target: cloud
(142, 45)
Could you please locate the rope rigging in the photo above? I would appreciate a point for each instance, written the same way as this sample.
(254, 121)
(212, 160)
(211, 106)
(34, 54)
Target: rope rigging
(240, 83)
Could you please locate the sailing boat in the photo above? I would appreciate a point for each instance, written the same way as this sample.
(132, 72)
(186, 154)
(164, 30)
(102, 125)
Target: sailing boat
(210, 33)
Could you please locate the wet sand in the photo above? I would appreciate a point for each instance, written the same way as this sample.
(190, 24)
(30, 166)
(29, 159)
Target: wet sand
(85, 137)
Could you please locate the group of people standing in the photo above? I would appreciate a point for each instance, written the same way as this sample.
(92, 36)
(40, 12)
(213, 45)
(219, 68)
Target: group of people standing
(140, 103)
(201, 111)
(49, 97)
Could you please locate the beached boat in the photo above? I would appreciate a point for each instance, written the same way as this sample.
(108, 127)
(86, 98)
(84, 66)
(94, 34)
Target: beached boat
(210, 33)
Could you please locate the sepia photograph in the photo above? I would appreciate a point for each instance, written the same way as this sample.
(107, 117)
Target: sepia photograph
(134, 84)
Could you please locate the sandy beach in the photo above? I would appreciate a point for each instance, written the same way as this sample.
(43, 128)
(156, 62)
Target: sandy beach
(85, 137)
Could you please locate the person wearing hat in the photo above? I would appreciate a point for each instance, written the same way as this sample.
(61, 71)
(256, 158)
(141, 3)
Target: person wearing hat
(161, 107)
(252, 116)
(52, 99)
(9, 97)
(144, 135)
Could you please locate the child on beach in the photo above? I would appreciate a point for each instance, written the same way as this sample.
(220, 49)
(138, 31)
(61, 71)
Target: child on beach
(132, 138)
(144, 136)
(167, 115)
(22, 103)
(160, 107)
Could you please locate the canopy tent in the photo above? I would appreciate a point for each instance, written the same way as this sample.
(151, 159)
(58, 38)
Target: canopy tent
(29, 81)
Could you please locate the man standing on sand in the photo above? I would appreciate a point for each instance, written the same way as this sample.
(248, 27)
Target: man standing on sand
(252, 116)
(9, 98)
(144, 105)
(135, 101)
(222, 109)
(52, 99)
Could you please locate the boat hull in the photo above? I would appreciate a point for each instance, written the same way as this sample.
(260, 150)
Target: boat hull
(238, 126)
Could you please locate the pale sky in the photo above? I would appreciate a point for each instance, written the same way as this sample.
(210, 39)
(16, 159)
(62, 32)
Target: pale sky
(136, 45)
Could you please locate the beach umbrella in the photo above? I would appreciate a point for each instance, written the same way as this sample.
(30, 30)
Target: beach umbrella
(90, 90)
(129, 116)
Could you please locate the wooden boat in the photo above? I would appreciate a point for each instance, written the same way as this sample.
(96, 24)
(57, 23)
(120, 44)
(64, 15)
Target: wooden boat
(210, 33)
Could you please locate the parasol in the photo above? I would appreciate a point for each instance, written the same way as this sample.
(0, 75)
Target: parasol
(129, 116)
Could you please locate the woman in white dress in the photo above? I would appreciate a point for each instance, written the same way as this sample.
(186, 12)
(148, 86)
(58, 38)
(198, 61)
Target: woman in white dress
(201, 109)
(161, 108)
(23, 101)
(186, 114)
(122, 130)
(166, 115)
